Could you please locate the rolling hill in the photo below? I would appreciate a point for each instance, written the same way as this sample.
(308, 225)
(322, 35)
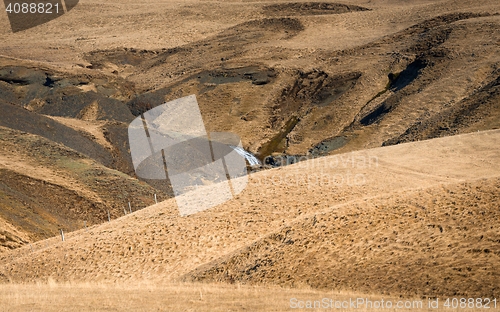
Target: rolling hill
(409, 216)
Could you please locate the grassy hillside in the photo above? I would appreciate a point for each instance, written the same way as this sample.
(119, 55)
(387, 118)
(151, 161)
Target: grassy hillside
(287, 229)
(46, 186)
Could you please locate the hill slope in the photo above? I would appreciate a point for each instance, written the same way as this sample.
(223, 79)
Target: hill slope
(46, 186)
(285, 227)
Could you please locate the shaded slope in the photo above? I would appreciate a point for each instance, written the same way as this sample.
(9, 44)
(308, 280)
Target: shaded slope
(26, 121)
(31, 96)
(479, 111)
(47, 186)
(40, 209)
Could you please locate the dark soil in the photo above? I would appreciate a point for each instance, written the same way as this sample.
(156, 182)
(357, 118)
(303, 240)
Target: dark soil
(58, 94)
(26, 121)
(310, 8)
(480, 109)
(407, 76)
(402, 84)
(254, 74)
(316, 88)
(328, 145)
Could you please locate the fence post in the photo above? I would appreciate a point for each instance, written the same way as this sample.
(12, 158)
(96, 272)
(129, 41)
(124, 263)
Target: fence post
(156, 202)
(130, 207)
(109, 218)
(62, 235)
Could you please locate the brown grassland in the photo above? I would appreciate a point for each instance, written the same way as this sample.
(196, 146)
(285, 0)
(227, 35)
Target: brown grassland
(395, 104)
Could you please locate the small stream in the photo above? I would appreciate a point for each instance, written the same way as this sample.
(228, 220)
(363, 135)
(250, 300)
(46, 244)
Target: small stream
(252, 160)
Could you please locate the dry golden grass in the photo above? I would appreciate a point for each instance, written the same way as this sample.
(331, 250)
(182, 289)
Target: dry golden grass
(145, 296)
